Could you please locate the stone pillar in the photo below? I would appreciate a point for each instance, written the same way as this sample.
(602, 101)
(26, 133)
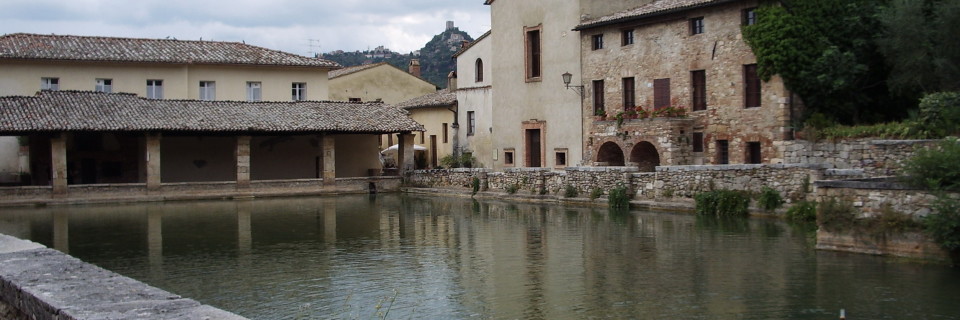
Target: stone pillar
(58, 152)
(153, 162)
(243, 162)
(405, 159)
(328, 143)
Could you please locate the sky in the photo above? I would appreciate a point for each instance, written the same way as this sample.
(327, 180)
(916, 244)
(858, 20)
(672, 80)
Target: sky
(302, 27)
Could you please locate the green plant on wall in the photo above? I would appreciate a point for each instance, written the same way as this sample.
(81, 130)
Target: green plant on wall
(475, 184)
(619, 197)
(769, 199)
(511, 189)
(596, 193)
(570, 191)
(803, 211)
(722, 203)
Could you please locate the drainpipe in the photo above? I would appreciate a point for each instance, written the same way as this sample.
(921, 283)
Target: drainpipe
(456, 128)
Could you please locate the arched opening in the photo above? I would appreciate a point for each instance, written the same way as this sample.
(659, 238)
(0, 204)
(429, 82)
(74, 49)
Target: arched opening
(610, 154)
(479, 73)
(646, 156)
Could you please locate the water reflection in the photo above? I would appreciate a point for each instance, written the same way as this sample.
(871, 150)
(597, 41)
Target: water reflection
(422, 257)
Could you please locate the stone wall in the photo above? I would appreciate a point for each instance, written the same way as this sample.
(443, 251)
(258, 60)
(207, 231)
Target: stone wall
(42, 283)
(864, 157)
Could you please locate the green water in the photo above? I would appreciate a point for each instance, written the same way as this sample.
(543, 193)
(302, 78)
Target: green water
(452, 258)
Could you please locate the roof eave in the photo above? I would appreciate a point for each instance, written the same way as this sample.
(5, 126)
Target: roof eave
(650, 15)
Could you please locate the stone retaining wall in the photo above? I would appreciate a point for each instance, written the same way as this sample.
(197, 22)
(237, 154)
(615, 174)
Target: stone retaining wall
(874, 157)
(42, 283)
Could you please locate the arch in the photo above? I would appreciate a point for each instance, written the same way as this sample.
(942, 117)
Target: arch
(646, 156)
(479, 72)
(611, 154)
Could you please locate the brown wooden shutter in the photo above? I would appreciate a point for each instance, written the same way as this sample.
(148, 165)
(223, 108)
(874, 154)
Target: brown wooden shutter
(751, 86)
(661, 93)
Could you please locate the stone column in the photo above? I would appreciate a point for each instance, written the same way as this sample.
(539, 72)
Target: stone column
(243, 162)
(328, 143)
(405, 159)
(58, 152)
(153, 162)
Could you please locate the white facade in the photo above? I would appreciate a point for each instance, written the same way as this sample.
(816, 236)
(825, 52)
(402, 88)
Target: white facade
(475, 101)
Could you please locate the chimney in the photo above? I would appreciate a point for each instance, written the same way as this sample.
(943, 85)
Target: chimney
(452, 81)
(414, 67)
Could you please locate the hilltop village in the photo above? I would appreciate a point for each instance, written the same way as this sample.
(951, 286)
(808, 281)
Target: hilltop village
(659, 100)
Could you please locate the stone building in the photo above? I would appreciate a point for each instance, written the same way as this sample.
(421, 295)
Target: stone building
(475, 99)
(150, 68)
(671, 54)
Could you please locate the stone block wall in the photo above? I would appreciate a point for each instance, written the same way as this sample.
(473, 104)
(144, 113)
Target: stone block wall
(863, 158)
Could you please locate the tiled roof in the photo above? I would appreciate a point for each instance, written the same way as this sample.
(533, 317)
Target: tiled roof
(354, 69)
(655, 8)
(441, 98)
(109, 49)
(51, 111)
(470, 45)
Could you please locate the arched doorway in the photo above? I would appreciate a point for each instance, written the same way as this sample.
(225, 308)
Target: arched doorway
(646, 156)
(610, 154)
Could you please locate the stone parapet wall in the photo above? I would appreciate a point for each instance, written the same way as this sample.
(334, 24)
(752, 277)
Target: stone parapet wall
(875, 158)
(793, 182)
(871, 198)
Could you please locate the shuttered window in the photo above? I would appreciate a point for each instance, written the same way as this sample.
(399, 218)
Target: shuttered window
(698, 81)
(661, 93)
(751, 86)
(597, 96)
(629, 94)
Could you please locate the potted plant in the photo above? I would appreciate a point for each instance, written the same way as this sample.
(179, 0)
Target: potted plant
(601, 115)
(642, 113)
(631, 114)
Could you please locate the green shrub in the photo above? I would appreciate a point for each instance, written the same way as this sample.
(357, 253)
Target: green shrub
(475, 183)
(944, 224)
(511, 189)
(464, 160)
(722, 203)
(570, 191)
(769, 199)
(835, 215)
(939, 115)
(596, 193)
(619, 198)
(935, 169)
(803, 211)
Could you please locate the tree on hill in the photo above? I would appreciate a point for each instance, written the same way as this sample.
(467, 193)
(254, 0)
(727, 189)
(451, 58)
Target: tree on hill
(920, 45)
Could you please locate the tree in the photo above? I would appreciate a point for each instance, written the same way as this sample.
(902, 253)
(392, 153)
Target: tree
(825, 52)
(920, 46)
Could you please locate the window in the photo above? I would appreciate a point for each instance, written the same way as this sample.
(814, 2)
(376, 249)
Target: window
(698, 142)
(50, 84)
(749, 16)
(299, 91)
(479, 73)
(723, 152)
(597, 96)
(629, 94)
(751, 86)
(154, 89)
(423, 137)
(445, 129)
(471, 123)
(208, 90)
(753, 153)
(508, 157)
(696, 26)
(626, 37)
(533, 54)
(254, 91)
(661, 93)
(560, 157)
(597, 41)
(354, 99)
(698, 82)
(104, 85)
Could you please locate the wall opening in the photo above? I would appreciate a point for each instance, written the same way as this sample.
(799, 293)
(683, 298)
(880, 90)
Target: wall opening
(610, 154)
(646, 156)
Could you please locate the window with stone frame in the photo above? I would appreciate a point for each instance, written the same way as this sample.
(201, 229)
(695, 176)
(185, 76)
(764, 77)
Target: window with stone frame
(661, 93)
(696, 25)
(626, 37)
(723, 152)
(698, 82)
(597, 41)
(698, 142)
(629, 94)
(751, 86)
(560, 157)
(532, 43)
(753, 155)
(508, 157)
(598, 96)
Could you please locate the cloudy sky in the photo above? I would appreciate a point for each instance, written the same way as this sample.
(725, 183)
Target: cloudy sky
(301, 27)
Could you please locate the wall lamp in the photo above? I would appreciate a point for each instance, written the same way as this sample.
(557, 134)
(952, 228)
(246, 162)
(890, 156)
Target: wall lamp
(566, 81)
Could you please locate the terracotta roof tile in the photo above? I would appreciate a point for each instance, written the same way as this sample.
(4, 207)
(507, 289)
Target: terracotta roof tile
(470, 45)
(441, 98)
(83, 48)
(654, 8)
(95, 111)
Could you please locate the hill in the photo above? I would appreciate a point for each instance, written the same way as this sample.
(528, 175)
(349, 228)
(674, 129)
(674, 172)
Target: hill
(436, 56)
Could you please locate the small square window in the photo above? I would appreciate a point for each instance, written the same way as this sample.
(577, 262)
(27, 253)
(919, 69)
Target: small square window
(749, 16)
(508, 157)
(104, 85)
(560, 158)
(597, 41)
(208, 90)
(154, 89)
(354, 99)
(696, 25)
(299, 91)
(52, 84)
(254, 91)
(626, 37)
